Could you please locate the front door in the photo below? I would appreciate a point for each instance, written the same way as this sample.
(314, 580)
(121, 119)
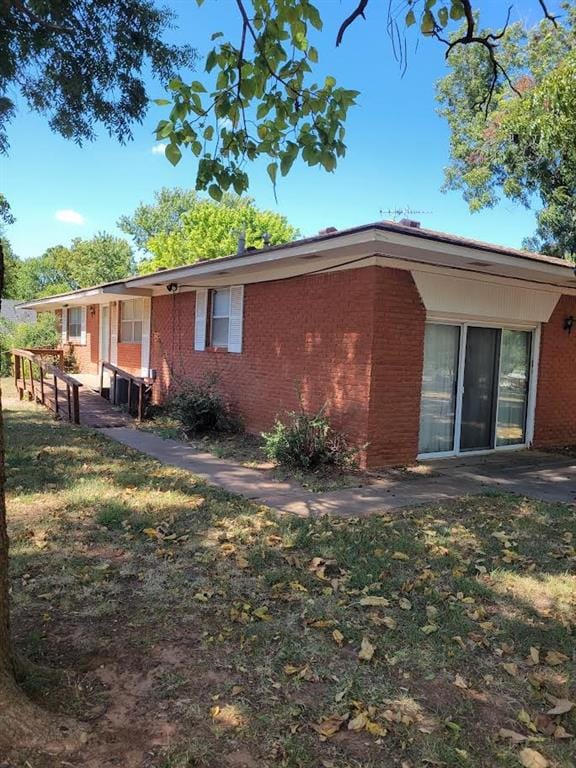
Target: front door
(105, 333)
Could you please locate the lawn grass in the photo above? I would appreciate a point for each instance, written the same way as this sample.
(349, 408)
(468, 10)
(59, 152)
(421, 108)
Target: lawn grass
(200, 630)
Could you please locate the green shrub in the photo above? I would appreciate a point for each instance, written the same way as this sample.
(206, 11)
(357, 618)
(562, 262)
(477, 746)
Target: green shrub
(202, 410)
(42, 334)
(307, 441)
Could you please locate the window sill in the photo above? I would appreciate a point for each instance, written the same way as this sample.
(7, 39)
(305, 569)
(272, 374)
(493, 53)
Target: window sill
(216, 350)
(76, 342)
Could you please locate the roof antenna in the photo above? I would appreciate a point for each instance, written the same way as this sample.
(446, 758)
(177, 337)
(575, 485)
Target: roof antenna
(401, 213)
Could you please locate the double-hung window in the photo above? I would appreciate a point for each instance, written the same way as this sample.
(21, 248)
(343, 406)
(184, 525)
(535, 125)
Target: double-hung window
(131, 313)
(219, 317)
(75, 318)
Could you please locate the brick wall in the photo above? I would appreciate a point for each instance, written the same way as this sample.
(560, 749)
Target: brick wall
(86, 355)
(315, 334)
(306, 333)
(398, 353)
(555, 422)
(130, 357)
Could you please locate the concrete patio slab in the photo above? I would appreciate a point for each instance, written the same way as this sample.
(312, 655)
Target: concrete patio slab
(545, 476)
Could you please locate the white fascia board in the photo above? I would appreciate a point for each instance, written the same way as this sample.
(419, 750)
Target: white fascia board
(469, 254)
(341, 248)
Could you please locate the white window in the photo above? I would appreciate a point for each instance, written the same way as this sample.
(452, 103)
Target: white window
(219, 317)
(75, 323)
(131, 313)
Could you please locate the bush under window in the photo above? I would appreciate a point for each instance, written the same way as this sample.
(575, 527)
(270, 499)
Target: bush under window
(202, 410)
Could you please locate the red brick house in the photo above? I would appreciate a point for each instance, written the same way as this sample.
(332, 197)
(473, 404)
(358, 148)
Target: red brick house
(421, 343)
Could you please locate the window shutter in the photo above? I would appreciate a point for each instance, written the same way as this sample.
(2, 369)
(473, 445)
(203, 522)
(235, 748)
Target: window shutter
(83, 327)
(200, 326)
(145, 348)
(64, 325)
(236, 313)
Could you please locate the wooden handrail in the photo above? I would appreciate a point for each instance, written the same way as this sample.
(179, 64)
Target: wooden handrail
(119, 373)
(26, 385)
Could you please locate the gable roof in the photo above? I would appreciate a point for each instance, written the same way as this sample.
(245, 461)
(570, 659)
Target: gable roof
(394, 241)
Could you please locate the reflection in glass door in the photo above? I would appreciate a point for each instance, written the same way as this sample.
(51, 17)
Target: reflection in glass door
(438, 405)
(513, 384)
(479, 396)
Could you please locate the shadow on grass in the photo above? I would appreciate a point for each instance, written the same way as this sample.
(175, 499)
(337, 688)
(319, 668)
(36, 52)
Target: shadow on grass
(461, 589)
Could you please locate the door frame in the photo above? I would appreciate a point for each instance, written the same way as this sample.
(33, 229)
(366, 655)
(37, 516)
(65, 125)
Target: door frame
(464, 324)
(100, 335)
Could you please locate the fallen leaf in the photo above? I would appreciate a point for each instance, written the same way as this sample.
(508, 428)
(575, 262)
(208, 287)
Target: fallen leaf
(338, 636)
(358, 722)
(561, 707)
(530, 758)
(375, 728)
(405, 604)
(329, 725)
(534, 655)
(366, 650)
(553, 658)
(151, 532)
(459, 682)
(514, 736)
(561, 733)
(428, 629)
(512, 669)
(400, 556)
(374, 601)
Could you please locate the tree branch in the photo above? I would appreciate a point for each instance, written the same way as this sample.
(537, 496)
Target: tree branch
(547, 14)
(358, 11)
(31, 16)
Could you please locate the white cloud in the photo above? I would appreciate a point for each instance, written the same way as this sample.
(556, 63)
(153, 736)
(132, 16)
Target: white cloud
(69, 216)
(159, 149)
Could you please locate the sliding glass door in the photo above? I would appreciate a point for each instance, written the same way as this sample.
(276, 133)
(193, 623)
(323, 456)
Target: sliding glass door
(475, 388)
(438, 406)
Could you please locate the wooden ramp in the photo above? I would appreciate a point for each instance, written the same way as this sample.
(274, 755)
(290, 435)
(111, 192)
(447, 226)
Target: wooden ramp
(68, 397)
(96, 411)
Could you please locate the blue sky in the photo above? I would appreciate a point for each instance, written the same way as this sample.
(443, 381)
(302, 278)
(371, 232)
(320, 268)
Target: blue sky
(397, 148)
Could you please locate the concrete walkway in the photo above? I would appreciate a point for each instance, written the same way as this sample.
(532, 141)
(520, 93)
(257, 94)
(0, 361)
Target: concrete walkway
(550, 477)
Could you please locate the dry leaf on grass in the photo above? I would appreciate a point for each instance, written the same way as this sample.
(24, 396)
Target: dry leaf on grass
(459, 682)
(374, 601)
(530, 758)
(366, 650)
(329, 725)
(338, 636)
(561, 707)
(514, 736)
(554, 658)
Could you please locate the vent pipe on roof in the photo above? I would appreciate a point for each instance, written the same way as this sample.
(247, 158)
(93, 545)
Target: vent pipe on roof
(327, 231)
(412, 223)
(241, 242)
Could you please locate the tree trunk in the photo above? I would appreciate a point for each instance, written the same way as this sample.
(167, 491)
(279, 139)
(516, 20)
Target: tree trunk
(22, 723)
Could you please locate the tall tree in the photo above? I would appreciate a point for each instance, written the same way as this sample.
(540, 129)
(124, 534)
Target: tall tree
(80, 63)
(84, 263)
(261, 96)
(522, 145)
(11, 271)
(211, 229)
(163, 216)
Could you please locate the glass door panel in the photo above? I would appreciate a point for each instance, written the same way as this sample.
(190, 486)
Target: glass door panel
(438, 405)
(480, 390)
(513, 385)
